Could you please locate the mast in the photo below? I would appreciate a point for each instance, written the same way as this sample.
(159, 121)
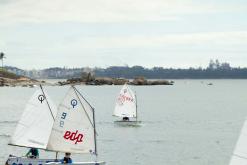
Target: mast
(56, 155)
(95, 140)
(136, 106)
(47, 102)
(135, 99)
(49, 109)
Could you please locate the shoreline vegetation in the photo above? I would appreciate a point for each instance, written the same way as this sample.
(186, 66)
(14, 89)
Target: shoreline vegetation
(118, 75)
(12, 80)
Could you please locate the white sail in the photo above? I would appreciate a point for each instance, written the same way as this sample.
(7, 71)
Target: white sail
(239, 156)
(126, 103)
(34, 127)
(73, 129)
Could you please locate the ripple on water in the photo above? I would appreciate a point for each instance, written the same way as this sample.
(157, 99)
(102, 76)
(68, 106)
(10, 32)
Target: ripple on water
(104, 123)
(106, 140)
(8, 122)
(5, 135)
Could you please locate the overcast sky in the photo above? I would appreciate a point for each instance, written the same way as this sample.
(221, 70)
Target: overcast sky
(38, 34)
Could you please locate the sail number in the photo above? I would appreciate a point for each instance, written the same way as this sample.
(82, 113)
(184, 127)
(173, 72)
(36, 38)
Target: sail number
(73, 136)
(63, 116)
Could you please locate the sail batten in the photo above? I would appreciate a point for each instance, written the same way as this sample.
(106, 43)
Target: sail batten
(126, 103)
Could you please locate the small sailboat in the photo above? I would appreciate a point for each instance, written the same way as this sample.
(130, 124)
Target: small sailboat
(126, 106)
(68, 129)
(239, 156)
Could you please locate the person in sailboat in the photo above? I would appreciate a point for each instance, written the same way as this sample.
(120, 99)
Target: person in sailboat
(125, 119)
(54, 137)
(33, 153)
(67, 158)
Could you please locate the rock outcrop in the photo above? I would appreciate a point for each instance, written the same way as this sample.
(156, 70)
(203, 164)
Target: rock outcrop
(114, 81)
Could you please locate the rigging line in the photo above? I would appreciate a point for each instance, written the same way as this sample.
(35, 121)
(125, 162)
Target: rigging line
(92, 109)
(83, 107)
(84, 98)
(47, 101)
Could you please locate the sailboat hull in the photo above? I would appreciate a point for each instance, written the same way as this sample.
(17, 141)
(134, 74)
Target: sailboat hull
(80, 163)
(128, 123)
(29, 161)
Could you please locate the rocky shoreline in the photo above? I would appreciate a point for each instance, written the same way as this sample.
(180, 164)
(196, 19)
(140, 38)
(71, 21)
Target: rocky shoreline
(114, 81)
(22, 81)
(12, 80)
(27, 82)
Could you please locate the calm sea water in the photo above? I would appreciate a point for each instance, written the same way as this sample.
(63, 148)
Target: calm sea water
(189, 123)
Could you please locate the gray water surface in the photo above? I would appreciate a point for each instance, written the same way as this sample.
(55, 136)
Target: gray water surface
(189, 123)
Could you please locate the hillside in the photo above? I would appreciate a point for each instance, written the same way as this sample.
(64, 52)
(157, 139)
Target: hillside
(11, 79)
(6, 74)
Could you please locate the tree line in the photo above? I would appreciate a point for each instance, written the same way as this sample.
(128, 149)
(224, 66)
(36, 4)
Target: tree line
(215, 70)
(163, 73)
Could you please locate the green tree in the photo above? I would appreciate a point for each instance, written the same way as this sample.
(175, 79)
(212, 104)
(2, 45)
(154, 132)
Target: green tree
(2, 56)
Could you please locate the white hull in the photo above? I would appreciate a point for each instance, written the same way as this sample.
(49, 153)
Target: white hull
(29, 161)
(128, 123)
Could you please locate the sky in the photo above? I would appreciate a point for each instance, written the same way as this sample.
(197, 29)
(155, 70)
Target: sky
(36, 34)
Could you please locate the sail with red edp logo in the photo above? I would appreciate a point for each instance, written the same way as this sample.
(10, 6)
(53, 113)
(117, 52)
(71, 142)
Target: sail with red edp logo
(76, 134)
(73, 136)
(70, 128)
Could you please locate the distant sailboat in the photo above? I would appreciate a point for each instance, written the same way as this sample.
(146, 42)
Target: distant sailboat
(126, 105)
(239, 156)
(70, 128)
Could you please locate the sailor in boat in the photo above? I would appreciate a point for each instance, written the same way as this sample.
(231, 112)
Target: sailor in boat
(67, 158)
(55, 133)
(33, 153)
(125, 119)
